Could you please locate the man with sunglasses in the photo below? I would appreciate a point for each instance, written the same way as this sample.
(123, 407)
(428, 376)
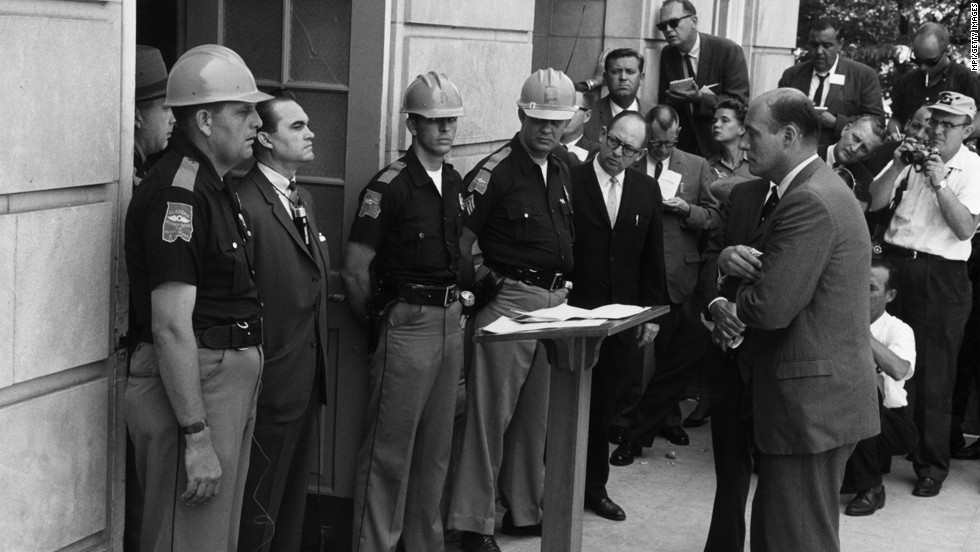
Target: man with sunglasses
(935, 72)
(716, 64)
(931, 210)
(689, 209)
(841, 89)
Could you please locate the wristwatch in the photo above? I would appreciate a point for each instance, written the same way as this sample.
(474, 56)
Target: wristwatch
(196, 427)
(941, 185)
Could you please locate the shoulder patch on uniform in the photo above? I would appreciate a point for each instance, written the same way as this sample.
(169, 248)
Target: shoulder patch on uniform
(482, 177)
(370, 205)
(388, 175)
(186, 174)
(178, 222)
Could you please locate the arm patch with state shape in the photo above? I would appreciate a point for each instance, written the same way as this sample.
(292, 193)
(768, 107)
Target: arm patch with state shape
(178, 222)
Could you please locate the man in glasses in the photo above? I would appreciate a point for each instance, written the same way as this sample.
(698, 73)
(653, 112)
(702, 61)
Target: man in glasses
(619, 223)
(716, 64)
(934, 73)
(622, 75)
(689, 209)
(842, 90)
(931, 210)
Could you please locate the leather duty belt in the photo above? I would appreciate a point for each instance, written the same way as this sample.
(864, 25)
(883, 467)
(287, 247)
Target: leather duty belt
(438, 296)
(232, 336)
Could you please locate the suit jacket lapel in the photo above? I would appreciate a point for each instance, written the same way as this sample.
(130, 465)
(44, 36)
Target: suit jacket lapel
(594, 193)
(278, 210)
(800, 178)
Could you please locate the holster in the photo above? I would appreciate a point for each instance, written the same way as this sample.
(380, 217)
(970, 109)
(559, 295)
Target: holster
(485, 289)
(377, 310)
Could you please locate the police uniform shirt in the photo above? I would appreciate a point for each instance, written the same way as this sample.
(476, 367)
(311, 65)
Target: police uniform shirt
(411, 226)
(183, 225)
(520, 221)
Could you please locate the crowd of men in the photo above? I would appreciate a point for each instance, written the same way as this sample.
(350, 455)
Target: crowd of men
(762, 224)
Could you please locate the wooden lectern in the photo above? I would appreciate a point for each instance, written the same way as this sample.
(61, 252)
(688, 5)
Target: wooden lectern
(572, 353)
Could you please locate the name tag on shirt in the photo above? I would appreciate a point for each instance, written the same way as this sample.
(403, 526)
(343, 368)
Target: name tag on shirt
(836, 78)
(670, 182)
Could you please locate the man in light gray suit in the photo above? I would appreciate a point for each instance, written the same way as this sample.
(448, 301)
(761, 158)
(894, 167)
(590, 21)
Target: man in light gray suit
(805, 303)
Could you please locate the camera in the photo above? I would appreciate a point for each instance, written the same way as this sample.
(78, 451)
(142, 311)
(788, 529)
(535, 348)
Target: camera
(917, 155)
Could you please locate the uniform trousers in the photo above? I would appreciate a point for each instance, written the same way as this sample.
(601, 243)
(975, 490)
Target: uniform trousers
(276, 486)
(506, 420)
(795, 506)
(403, 463)
(871, 456)
(229, 387)
(732, 446)
(934, 299)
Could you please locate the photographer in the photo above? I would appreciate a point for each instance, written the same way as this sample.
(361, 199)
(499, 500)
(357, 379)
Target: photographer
(929, 199)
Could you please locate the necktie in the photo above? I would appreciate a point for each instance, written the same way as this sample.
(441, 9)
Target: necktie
(299, 213)
(690, 67)
(769, 205)
(818, 95)
(658, 170)
(885, 218)
(612, 200)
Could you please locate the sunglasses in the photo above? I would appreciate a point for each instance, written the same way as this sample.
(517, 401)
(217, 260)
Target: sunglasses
(931, 62)
(672, 23)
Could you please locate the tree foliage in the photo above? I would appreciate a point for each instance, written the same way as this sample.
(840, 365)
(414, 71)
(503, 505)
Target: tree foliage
(879, 33)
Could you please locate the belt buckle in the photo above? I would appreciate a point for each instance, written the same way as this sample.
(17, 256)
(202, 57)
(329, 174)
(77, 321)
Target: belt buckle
(554, 280)
(446, 299)
(915, 254)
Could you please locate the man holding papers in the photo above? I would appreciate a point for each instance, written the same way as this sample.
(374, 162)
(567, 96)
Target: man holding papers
(618, 216)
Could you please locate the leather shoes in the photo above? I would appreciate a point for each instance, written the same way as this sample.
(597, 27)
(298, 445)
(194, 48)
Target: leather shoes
(691, 421)
(676, 435)
(508, 528)
(927, 486)
(625, 453)
(617, 434)
(475, 542)
(604, 507)
(969, 452)
(867, 502)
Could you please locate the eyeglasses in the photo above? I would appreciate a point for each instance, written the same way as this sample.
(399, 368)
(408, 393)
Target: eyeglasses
(628, 150)
(663, 144)
(672, 23)
(945, 125)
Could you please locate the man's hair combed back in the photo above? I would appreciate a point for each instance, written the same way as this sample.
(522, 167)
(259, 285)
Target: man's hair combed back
(664, 116)
(824, 23)
(688, 6)
(890, 268)
(789, 106)
(620, 53)
(735, 104)
(878, 125)
(266, 110)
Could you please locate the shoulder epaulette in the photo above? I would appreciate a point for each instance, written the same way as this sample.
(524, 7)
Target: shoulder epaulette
(495, 158)
(391, 172)
(186, 174)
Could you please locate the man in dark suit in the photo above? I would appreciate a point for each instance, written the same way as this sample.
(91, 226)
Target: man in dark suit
(290, 267)
(805, 303)
(575, 148)
(620, 262)
(689, 209)
(716, 64)
(731, 424)
(842, 89)
(622, 76)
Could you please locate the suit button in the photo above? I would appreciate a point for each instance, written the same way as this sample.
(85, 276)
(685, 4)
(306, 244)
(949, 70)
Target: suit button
(316, 279)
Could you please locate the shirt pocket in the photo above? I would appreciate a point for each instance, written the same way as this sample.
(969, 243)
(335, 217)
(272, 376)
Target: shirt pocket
(521, 221)
(422, 237)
